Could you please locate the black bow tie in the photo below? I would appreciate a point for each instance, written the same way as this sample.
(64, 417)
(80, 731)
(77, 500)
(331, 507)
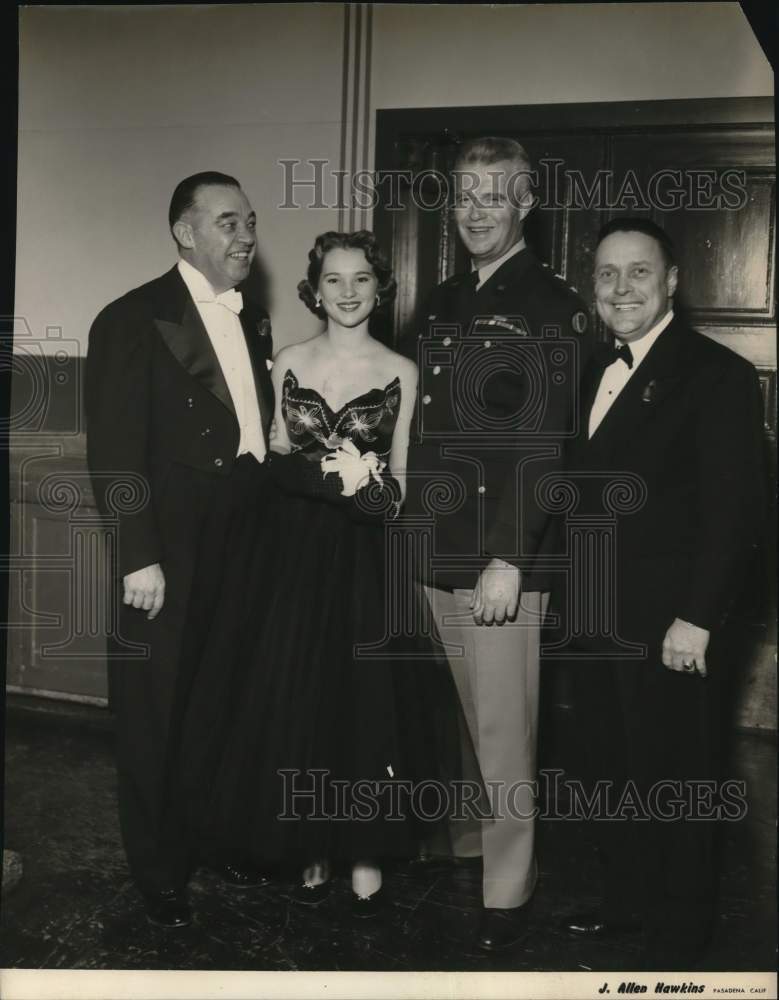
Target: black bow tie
(609, 355)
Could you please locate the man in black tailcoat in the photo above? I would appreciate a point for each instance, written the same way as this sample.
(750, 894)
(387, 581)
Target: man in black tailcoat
(671, 438)
(179, 404)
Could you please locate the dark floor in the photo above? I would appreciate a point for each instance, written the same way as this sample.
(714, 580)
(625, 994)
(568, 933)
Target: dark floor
(76, 908)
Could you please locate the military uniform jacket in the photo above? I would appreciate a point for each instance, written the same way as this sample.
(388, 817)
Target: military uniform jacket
(498, 388)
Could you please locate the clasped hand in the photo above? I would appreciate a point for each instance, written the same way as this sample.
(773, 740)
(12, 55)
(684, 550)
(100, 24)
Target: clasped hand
(355, 469)
(684, 647)
(496, 597)
(145, 588)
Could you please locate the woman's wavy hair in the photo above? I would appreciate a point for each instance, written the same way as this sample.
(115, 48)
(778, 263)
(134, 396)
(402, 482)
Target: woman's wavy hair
(361, 240)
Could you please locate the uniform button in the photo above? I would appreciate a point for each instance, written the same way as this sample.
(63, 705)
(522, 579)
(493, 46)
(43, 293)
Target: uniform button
(482, 489)
(426, 400)
(206, 431)
(447, 341)
(218, 463)
(488, 343)
(190, 401)
(437, 370)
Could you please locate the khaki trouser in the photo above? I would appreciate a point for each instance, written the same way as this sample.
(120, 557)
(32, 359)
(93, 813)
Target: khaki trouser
(497, 678)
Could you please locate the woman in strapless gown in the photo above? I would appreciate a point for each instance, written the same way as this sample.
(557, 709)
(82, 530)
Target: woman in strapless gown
(314, 723)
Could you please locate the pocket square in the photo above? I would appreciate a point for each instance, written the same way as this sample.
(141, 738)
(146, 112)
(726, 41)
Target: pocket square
(269, 363)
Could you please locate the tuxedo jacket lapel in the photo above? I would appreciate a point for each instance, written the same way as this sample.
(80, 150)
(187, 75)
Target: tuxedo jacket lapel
(655, 378)
(182, 329)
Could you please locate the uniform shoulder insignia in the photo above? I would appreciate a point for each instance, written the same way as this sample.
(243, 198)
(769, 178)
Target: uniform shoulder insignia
(579, 321)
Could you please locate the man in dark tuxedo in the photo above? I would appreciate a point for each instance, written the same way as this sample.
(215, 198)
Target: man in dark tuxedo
(179, 404)
(671, 440)
(498, 362)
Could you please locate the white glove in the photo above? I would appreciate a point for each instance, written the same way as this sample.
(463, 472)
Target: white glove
(354, 468)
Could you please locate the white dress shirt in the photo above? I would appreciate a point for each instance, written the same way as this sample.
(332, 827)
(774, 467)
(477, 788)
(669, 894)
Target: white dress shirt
(488, 270)
(617, 375)
(227, 338)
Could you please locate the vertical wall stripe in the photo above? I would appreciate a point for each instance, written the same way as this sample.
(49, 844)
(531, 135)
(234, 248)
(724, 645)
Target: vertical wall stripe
(365, 214)
(355, 108)
(356, 83)
(344, 99)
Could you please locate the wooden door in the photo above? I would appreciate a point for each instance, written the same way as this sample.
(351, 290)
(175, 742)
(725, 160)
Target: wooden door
(595, 161)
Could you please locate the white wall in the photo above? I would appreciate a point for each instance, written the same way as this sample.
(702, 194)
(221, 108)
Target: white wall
(466, 54)
(117, 105)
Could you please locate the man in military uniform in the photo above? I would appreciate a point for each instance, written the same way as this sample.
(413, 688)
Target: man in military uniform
(498, 371)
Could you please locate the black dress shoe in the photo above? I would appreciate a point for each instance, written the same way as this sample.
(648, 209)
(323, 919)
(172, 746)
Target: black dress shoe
(501, 929)
(591, 924)
(240, 876)
(310, 895)
(168, 908)
(369, 906)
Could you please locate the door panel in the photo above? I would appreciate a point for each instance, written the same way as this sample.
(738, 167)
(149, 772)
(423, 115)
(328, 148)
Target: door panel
(596, 161)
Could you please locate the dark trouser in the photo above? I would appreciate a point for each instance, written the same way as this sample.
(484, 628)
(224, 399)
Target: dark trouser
(209, 527)
(641, 724)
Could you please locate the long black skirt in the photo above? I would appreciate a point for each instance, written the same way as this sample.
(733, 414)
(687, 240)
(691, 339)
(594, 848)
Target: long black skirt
(315, 747)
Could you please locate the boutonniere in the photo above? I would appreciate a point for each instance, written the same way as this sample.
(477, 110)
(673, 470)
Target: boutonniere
(263, 327)
(268, 364)
(648, 395)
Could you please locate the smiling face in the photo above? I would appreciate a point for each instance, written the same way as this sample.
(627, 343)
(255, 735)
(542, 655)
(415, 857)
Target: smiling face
(217, 235)
(491, 204)
(347, 286)
(633, 286)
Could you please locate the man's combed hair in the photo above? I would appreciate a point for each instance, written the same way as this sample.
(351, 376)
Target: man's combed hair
(636, 224)
(492, 149)
(186, 191)
(361, 240)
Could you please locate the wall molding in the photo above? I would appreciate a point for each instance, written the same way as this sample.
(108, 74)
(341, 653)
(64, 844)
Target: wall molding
(357, 59)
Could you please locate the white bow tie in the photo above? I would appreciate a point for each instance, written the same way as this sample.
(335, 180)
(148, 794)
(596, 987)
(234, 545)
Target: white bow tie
(231, 299)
